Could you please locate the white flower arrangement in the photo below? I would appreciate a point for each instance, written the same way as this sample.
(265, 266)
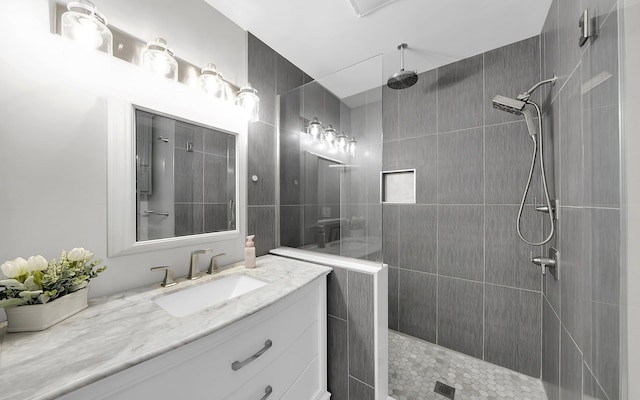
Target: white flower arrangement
(36, 281)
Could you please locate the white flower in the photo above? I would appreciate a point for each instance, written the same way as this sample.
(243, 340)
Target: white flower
(87, 255)
(14, 268)
(76, 254)
(37, 263)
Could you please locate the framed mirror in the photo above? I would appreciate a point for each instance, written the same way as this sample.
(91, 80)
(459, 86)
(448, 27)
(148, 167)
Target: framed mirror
(174, 171)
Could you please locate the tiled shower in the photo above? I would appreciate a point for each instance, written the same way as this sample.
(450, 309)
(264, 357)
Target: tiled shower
(458, 274)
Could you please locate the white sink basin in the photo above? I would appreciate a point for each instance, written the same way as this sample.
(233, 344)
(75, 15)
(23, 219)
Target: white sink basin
(189, 301)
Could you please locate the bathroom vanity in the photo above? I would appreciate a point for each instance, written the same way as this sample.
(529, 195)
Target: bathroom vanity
(269, 343)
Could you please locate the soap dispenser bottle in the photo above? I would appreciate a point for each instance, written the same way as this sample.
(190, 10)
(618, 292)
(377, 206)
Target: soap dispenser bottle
(250, 253)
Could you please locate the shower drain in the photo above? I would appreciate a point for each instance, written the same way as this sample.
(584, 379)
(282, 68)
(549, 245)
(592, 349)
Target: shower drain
(445, 390)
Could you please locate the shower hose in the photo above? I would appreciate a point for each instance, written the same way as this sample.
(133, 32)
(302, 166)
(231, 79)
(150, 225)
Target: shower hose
(551, 213)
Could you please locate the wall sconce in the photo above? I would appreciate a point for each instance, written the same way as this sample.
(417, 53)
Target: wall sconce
(331, 138)
(248, 99)
(84, 24)
(210, 81)
(315, 130)
(342, 143)
(158, 58)
(352, 146)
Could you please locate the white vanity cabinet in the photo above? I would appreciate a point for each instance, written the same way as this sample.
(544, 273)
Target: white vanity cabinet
(276, 353)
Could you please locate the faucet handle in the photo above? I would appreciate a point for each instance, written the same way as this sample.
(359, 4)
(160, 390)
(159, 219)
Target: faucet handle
(213, 265)
(168, 280)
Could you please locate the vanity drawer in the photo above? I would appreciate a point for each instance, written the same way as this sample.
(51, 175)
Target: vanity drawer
(283, 372)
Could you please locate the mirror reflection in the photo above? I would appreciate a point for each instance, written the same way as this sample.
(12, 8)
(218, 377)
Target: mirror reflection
(185, 178)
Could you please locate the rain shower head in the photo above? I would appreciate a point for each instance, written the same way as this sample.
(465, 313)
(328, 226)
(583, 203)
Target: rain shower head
(402, 79)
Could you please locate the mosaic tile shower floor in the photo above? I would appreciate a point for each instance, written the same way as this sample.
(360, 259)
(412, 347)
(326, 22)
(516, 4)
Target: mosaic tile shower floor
(415, 366)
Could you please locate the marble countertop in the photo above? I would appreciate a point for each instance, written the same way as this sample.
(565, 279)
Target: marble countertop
(122, 330)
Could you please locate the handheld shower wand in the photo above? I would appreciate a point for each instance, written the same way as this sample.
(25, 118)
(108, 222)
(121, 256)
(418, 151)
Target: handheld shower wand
(518, 106)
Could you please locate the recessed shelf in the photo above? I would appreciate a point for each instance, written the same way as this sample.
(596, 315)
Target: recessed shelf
(398, 186)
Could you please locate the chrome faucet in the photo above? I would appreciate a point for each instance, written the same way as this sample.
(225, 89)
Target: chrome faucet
(193, 267)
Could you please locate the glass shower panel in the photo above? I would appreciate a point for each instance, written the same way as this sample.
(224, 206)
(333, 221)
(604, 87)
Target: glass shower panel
(330, 141)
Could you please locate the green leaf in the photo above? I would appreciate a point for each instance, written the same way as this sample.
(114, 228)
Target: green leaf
(30, 284)
(12, 303)
(43, 298)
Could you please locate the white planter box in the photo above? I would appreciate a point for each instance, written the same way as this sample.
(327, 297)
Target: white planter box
(38, 317)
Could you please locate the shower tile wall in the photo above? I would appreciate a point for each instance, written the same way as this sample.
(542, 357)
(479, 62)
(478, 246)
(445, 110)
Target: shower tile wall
(271, 74)
(581, 325)
(459, 275)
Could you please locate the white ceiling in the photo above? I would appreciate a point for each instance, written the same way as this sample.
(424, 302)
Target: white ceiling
(323, 37)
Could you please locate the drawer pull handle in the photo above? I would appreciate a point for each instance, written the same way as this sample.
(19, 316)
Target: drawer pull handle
(239, 364)
(267, 392)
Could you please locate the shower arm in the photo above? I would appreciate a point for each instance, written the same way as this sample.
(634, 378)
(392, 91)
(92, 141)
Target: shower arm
(525, 96)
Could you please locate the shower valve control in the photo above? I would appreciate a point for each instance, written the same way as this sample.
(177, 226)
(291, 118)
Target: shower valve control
(550, 262)
(545, 208)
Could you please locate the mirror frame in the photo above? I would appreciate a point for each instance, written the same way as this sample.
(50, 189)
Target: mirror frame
(185, 104)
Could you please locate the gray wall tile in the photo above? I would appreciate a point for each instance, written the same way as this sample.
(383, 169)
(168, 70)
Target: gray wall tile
(262, 75)
(290, 190)
(603, 254)
(512, 329)
(390, 156)
(288, 76)
(507, 257)
(418, 107)
(460, 95)
(606, 347)
(569, 52)
(261, 222)
(216, 142)
(417, 298)
(361, 323)
(188, 176)
(417, 247)
(461, 167)
(262, 159)
(216, 217)
(460, 315)
(571, 144)
(390, 227)
(360, 391)
(570, 368)
(509, 71)
(550, 52)
(188, 219)
(393, 303)
(332, 111)
(291, 112)
(313, 101)
(421, 154)
(290, 226)
(590, 387)
(337, 293)
(550, 352)
(337, 360)
(507, 162)
(461, 241)
(390, 101)
(574, 277)
(215, 179)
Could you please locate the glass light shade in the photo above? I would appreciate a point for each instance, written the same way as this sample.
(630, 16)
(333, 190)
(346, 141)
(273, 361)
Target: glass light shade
(210, 82)
(85, 25)
(331, 138)
(248, 99)
(158, 58)
(352, 146)
(315, 130)
(342, 143)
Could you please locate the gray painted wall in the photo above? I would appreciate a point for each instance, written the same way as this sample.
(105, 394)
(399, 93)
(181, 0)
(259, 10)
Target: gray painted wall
(459, 275)
(581, 311)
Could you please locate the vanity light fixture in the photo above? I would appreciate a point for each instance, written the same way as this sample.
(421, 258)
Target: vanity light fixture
(315, 130)
(210, 82)
(342, 143)
(352, 146)
(331, 138)
(247, 98)
(158, 58)
(84, 24)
